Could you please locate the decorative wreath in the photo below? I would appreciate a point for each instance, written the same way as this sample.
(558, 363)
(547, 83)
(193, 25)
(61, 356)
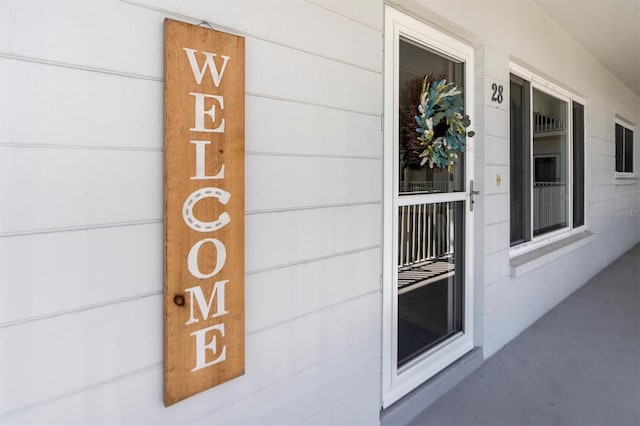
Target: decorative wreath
(441, 130)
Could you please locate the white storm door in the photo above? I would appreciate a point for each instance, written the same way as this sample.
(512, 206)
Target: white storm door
(428, 218)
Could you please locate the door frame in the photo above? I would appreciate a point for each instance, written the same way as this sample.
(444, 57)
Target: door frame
(397, 382)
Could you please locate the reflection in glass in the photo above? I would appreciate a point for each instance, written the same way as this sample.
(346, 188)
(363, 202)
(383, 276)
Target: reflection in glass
(578, 164)
(430, 275)
(520, 160)
(415, 63)
(549, 163)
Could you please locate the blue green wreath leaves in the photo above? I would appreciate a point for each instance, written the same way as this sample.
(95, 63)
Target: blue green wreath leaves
(441, 123)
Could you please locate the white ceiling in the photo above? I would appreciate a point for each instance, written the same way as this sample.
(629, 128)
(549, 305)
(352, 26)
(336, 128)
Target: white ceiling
(608, 29)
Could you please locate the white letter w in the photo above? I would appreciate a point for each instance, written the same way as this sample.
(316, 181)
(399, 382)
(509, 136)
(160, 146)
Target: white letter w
(198, 73)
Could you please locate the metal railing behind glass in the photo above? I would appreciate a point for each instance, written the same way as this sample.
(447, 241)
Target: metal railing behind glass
(549, 204)
(425, 232)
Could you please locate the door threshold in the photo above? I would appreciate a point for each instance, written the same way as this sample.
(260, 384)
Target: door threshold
(415, 402)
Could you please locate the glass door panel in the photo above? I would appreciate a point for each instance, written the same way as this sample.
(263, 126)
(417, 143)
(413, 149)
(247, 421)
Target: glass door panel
(415, 63)
(430, 234)
(430, 275)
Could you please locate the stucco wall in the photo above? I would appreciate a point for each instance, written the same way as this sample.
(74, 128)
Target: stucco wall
(81, 212)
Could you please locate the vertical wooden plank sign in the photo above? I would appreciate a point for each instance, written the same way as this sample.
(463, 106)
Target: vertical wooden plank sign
(203, 209)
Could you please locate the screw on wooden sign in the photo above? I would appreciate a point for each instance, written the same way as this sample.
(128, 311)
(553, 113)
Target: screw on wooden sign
(204, 209)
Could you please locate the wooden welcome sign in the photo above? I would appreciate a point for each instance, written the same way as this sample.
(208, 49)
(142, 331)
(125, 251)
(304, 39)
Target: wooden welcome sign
(203, 209)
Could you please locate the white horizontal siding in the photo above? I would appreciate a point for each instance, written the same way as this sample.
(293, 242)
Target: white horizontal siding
(602, 146)
(101, 111)
(72, 107)
(125, 400)
(62, 188)
(93, 42)
(42, 359)
(81, 208)
(285, 182)
(136, 399)
(366, 12)
(279, 239)
(91, 347)
(496, 150)
(44, 188)
(602, 127)
(295, 402)
(604, 162)
(309, 287)
(358, 408)
(102, 34)
(314, 30)
(57, 272)
(104, 266)
(299, 76)
(292, 128)
(291, 348)
(274, 71)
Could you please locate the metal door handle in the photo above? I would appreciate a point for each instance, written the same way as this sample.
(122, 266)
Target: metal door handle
(471, 194)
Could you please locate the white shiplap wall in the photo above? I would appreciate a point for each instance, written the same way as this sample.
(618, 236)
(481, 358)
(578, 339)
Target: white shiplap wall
(81, 203)
(81, 212)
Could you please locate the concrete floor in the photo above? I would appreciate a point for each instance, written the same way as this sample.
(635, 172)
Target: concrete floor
(578, 365)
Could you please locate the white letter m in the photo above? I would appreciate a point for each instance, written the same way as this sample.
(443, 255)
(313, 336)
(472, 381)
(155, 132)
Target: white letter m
(195, 294)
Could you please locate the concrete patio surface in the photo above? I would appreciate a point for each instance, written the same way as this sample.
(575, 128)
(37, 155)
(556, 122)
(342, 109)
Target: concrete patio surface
(577, 365)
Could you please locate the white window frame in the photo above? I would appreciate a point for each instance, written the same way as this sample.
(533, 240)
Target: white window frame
(634, 164)
(543, 85)
(397, 382)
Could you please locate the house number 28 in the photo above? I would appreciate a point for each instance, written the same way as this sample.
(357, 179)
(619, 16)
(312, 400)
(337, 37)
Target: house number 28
(496, 96)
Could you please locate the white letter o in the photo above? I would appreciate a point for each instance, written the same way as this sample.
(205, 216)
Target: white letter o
(192, 259)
